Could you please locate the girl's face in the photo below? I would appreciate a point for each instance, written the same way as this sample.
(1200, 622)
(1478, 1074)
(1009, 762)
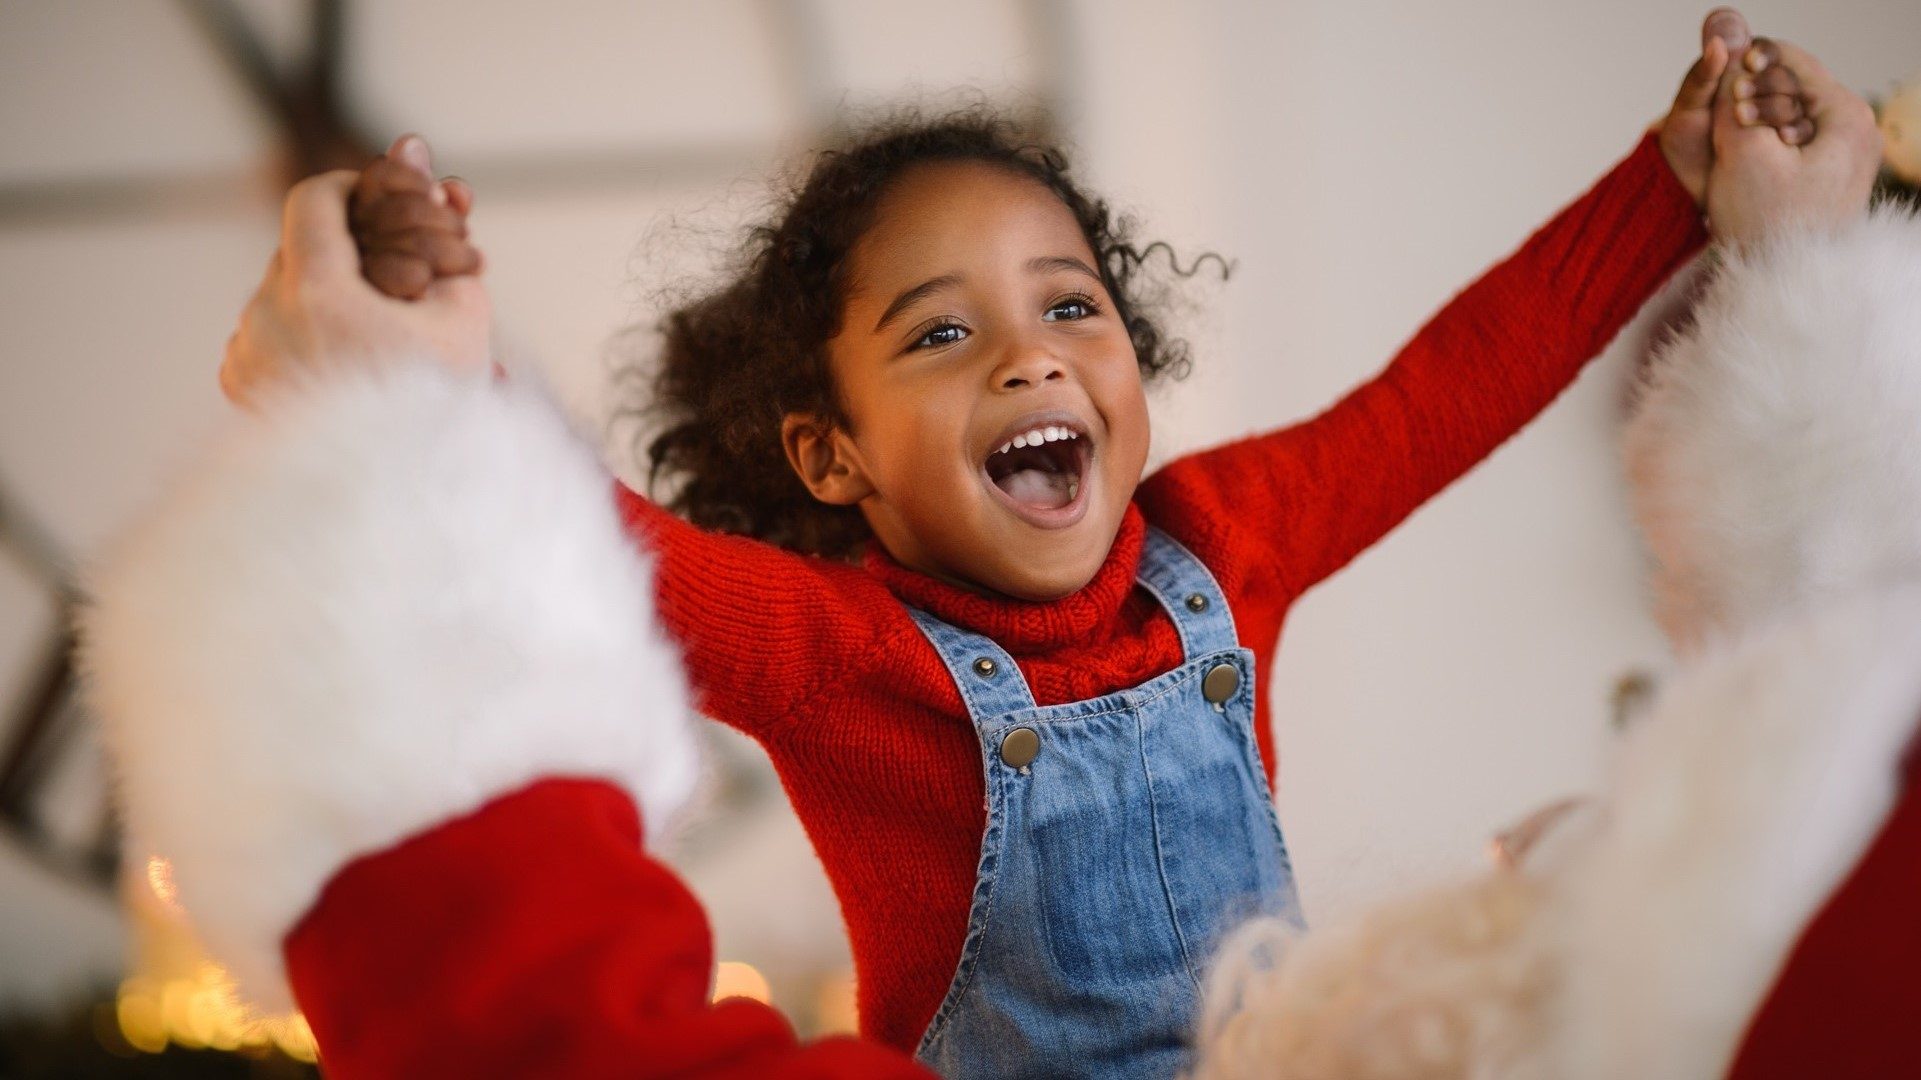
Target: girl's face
(975, 320)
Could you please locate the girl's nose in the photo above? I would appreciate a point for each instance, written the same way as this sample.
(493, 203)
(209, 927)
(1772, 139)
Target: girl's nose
(1027, 365)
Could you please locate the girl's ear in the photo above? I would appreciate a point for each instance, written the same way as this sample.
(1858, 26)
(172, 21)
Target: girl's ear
(824, 459)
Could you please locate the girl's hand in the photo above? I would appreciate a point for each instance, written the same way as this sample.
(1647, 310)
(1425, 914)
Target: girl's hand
(1686, 133)
(314, 310)
(410, 230)
(1760, 183)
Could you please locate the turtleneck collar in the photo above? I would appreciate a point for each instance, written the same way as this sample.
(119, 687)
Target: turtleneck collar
(1025, 626)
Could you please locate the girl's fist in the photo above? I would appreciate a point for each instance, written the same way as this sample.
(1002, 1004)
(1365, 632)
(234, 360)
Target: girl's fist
(409, 230)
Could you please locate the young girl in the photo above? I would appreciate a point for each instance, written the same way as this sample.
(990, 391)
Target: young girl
(1008, 683)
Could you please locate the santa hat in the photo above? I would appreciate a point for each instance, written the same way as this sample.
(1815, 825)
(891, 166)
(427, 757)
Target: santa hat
(376, 604)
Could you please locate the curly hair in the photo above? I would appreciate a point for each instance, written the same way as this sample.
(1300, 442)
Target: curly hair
(735, 361)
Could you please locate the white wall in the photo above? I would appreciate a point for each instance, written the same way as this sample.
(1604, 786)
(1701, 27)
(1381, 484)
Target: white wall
(1359, 160)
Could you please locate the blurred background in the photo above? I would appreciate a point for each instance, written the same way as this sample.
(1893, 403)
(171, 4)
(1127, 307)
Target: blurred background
(1358, 162)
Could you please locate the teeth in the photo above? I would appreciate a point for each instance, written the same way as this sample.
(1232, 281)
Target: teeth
(1038, 436)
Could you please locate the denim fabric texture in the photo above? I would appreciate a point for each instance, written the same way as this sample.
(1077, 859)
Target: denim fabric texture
(1115, 859)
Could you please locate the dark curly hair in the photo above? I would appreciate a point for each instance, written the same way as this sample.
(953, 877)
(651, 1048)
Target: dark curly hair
(736, 360)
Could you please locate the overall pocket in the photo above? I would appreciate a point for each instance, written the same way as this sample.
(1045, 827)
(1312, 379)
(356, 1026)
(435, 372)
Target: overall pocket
(1101, 902)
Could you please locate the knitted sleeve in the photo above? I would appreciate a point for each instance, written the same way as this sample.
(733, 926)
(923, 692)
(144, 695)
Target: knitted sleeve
(761, 628)
(1304, 500)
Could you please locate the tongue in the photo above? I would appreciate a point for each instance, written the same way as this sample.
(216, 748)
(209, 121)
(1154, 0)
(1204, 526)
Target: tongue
(1039, 488)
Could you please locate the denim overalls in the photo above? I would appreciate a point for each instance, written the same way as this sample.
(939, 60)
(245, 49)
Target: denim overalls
(1124, 835)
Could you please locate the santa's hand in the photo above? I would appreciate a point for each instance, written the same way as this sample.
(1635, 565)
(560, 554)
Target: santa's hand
(1760, 183)
(314, 311)
(1686, 133)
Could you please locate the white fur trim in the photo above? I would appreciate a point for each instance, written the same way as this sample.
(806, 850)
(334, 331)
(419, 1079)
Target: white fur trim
(385, 600)
(1444, 984)
(1776, 453)
(1743, 802)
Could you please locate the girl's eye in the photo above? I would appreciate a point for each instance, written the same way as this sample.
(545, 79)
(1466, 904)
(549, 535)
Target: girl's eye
(940, 334)
(1071, 308)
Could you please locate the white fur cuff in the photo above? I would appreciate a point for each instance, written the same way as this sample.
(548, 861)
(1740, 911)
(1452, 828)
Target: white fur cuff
(1743, 801)
(1776, 453)
(386, 600)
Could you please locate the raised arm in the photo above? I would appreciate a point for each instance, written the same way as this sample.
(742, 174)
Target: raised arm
(1306, 499)
(1310, 497)
(751, 618)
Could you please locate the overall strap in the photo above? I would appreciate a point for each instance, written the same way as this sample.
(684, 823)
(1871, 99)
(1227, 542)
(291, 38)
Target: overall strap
(989, 681)
(1190, 594)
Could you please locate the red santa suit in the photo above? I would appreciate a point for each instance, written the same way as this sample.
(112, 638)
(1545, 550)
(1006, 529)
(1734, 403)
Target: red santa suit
(403, 774)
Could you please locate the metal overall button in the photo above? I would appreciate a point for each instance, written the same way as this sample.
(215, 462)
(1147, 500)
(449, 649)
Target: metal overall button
(1020, 746)
(1220, 683)
(985, 667)
(1197, 603)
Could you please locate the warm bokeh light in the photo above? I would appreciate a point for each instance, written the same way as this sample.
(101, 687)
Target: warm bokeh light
(733, 979)
(202, 1011)
(138, 1010)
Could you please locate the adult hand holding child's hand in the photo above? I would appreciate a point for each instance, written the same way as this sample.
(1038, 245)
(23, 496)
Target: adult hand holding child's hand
(1760, 183)
(314, 309)
(1686, 132)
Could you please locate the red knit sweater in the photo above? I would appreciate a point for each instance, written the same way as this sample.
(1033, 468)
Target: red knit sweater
(820, 663)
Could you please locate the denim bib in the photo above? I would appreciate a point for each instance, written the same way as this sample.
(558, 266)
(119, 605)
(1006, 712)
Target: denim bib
(1124, 835)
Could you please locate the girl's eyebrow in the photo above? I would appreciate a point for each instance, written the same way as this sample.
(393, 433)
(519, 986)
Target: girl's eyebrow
(1047, 264)
(913, 295)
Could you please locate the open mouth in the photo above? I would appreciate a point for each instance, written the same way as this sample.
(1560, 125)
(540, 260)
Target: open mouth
(1040, 471)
